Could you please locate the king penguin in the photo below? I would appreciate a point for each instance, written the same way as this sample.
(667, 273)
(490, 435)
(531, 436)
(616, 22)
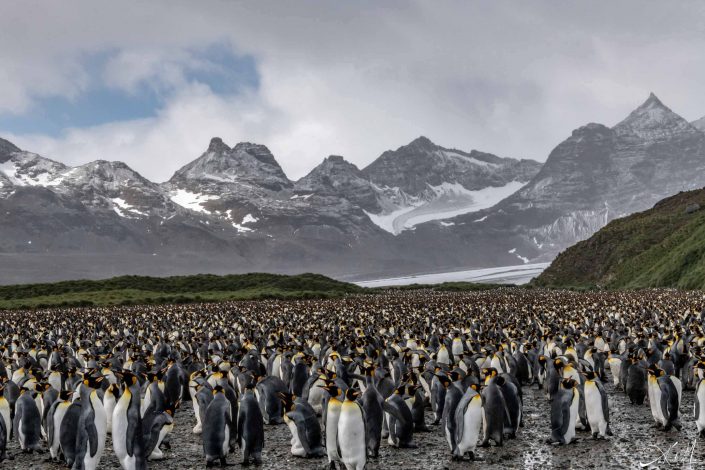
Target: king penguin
(331, 418)
(664, 399)
(5, 424)
(468, 422)
(216, 429)
(564, 412)
(55, 417)
(128, 438)
(92, 426)
(306, 439)
(250, 427)
(351, 437)
(494, 412)
(27, 422)
(700, 402)
(597, 407)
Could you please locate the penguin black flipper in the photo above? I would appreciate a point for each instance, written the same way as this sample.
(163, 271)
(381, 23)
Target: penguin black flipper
(605, 403)
(152, 426)
(561, 429)
(669, 402)
(301, 427)
(133, 418)
(393, 409)
(92, 434)
(50, 421)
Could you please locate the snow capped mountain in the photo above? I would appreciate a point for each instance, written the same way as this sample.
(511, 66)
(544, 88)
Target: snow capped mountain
(28, 169)
(422, 181)
(245, 163)
(653, 121)
(596, 175)
(420, 208)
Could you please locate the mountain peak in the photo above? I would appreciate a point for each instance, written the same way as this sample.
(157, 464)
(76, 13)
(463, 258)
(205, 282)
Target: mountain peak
(217, 145)
(653, 120)
(653, 100)
(421, 142)
(6, 148)
(246, 162)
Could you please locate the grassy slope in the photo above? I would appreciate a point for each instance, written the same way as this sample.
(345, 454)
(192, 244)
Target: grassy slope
(178, 289)
(661, 247)
(201, 288)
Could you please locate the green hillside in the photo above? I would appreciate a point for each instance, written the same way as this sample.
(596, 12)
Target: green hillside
(177, 289)
(661, 247)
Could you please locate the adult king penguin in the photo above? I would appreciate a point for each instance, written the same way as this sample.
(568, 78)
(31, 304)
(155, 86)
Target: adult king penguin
(597, 406)
(564, 412)
(92, 426)
(352, 440)
(128, 437)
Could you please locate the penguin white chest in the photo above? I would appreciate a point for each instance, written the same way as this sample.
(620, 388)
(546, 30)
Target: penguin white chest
(570, 434)
(332, 419)
(119, 431)
(297, 448)
(351, 437)
(472, 422)
(593, 406)
(655, 401)
(100, 419)
(58, 417)
(700, 397)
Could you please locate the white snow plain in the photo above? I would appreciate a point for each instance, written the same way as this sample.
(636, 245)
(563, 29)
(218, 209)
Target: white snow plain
(518, 274)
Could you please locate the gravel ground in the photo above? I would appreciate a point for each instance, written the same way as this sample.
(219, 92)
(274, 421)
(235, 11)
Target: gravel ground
(634, 441)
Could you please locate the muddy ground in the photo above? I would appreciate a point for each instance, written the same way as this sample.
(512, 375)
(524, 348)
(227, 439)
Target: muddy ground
(634, 442)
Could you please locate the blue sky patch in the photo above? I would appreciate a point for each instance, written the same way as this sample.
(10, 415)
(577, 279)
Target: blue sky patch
(225, 73)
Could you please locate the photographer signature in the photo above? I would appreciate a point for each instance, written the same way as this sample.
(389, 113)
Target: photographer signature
(673, 455)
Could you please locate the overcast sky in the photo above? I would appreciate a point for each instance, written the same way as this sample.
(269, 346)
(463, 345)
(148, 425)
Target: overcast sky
(150, 83)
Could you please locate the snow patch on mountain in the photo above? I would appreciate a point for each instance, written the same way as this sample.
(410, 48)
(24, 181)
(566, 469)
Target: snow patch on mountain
(193, 201)
(444, 201)
(240, 227)
(40, 175)
(123, 209)
(513, 251)
(468, 158)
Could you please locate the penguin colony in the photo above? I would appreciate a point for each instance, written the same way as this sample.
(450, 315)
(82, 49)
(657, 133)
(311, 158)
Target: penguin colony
(343, 375)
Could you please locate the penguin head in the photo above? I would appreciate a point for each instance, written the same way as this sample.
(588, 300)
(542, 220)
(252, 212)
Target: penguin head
(92, 381)
(489, 372)
(351, 394)
(568, 384)
(590, 375)
(332, 389)
(444, 380)
(127, 377)
(655, 371)
(65, 395)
